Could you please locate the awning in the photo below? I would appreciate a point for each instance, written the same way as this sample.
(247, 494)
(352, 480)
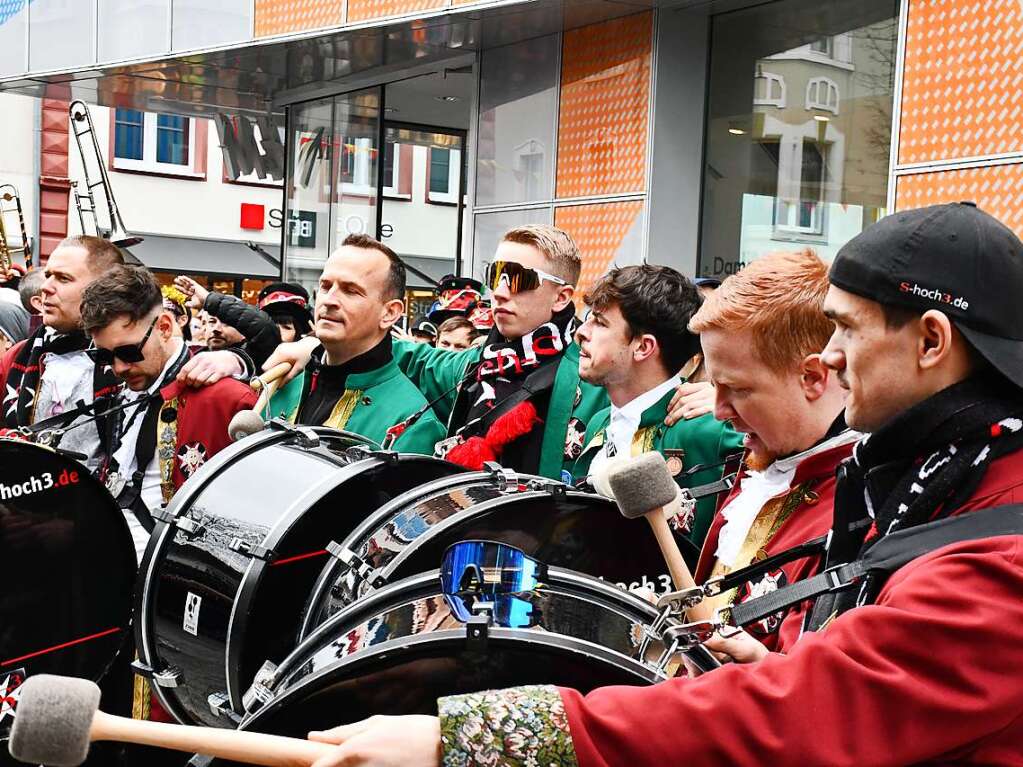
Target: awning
(230, 258)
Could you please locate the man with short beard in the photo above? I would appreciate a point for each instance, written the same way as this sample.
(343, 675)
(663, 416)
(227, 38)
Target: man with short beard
(906, 666)
(49, 373)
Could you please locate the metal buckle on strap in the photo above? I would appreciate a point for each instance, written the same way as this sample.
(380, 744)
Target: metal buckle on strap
(261, 690)
(220, 705)
(166, 677)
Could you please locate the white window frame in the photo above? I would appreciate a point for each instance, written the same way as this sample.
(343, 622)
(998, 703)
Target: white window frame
(392, 190)
(770, 77)
(363, 185)
(830, 88)
(454, 175)
(148, 163)
(786, 211)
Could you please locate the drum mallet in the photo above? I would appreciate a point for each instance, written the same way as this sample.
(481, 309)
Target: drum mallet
(58, 717)
(643, 487)
(248, 422)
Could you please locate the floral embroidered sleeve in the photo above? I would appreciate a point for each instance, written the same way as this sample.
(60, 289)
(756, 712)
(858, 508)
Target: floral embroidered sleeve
(518, 726)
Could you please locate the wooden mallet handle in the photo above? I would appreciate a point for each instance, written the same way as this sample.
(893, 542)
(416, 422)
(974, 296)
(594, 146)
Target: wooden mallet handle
(236, 745)
(267, 384)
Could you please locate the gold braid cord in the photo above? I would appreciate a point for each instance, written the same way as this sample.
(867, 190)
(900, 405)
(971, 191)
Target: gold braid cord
(343, 409)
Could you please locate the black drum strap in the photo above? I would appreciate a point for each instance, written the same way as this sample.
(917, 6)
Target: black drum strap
(885, 557)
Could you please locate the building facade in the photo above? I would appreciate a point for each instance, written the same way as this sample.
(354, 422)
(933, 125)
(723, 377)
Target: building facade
(699, 134)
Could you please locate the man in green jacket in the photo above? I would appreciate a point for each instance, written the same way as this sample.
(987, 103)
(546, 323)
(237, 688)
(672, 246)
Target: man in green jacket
(635, 339)
(352, 381)
(517, 399)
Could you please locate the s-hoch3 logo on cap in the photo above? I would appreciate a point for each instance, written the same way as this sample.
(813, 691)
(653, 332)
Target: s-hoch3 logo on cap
(934, 294)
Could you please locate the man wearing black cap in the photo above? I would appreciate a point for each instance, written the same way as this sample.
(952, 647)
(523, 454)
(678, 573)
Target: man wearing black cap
(288, 306)
(915, 668)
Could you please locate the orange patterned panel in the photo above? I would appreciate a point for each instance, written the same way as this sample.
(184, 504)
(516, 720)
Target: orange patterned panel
(277, 17)
(605, 95)
(963, 86)
(998, 189)
(600, 232)
(361, 10)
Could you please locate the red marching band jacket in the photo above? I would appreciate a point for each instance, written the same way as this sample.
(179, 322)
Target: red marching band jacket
(202, 417)
(811, 499)
(867, 690)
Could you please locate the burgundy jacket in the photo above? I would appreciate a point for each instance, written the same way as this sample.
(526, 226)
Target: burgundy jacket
(814, 487)
(928, 674)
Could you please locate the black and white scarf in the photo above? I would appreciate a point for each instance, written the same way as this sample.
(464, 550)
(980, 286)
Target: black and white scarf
(921, 466)
(24, 376)
(505, 365)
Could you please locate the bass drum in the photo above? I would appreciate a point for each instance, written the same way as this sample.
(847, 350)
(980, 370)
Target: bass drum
(399, 649)
(69, 572)
(238, 549)
(547, 520)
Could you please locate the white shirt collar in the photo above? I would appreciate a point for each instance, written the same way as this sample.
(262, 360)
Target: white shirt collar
(179, 347)
(633, 409)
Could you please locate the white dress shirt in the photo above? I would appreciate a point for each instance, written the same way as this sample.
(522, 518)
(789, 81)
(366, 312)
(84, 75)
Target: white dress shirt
(124, 456)
(621, 429)
(67, 380)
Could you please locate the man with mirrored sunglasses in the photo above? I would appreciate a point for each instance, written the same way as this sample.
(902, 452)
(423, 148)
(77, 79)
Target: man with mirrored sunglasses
(161, 431)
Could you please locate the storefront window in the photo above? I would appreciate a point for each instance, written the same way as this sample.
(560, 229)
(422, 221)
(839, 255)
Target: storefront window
(798, 130)
(490, 228)
(518, 107)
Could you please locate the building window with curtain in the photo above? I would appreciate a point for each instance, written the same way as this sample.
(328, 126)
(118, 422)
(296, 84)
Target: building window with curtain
(443, 175)
(146, 142)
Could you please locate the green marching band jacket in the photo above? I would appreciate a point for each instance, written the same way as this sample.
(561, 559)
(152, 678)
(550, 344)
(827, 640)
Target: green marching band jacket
(372, 403)
(702, 441)
(574, 403)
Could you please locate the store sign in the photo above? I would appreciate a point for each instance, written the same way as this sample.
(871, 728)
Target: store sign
(302, 229)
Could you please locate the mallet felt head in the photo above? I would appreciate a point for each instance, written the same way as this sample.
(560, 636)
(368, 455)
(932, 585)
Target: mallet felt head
(599, 478)
(642, 485)
(245, 423)
(53, 719)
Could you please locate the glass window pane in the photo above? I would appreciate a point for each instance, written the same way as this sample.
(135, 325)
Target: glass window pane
(440, 170)
(518, 104)
(311, 146)
(61, 31)
(357, 122)
(129, 29)
(128, 134)
(202, 23)
(172, 139)
(490, 228)
(798, 130)
(13, 21)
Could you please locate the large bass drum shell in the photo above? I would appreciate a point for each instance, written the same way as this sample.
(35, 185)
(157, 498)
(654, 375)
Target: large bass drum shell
(547, 520)
(236, 552)
(68, 572)
(400, 648)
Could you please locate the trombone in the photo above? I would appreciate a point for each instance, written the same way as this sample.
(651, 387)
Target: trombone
(8, 193)
(85, 202)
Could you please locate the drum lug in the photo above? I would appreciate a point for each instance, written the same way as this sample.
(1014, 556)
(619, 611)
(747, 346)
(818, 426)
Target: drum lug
(220, 705)
(554, 489)
(191, 528)
(304, 436)
(242, 546)
(477, 629)
(506, 479)
(260, 692)
(354, 562)
(168, 677)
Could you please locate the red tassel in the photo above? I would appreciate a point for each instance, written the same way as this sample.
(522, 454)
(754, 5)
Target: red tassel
(516, 423)
(472, 454)
(476, 451)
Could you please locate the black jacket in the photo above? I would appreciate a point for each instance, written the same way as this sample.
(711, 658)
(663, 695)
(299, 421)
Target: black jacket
(260, 331)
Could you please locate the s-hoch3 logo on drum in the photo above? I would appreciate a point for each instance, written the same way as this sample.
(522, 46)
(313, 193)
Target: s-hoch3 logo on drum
(37, 484)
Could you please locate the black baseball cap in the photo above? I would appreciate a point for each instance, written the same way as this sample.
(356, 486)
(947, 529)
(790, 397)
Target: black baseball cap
(955, 258)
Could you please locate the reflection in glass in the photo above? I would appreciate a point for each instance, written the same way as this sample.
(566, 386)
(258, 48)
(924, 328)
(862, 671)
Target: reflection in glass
(490, 228)
(799, 128)
(354, 193)
(518, 104)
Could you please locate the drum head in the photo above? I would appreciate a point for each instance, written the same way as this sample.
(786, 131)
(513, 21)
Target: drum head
(69, 567)
(402, 648)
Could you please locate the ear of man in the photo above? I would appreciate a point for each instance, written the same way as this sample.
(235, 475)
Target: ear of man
(813, 377)
(647, 348)
(563, 297)
(937, 340)
(392, 312)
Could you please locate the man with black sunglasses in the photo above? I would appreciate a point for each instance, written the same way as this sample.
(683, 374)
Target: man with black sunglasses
(163, 430)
